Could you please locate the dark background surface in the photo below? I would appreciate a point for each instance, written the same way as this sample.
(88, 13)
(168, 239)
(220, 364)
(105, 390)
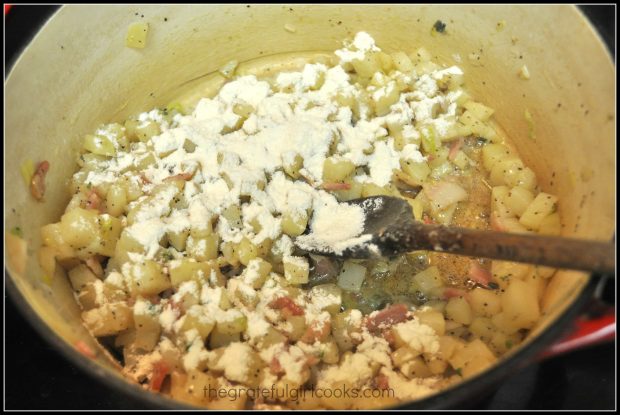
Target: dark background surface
(38, 377)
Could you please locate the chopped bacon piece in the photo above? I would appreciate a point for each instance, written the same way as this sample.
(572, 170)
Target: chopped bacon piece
(388, 335)
(453, 292)
(382, 382)
(95, 266)
(427, 219)
(154, 299)
(145, 180)
(181, 176)
(275, 367)
(93, 200)
(312, 360)
(389, 316)
(160, 371)
(287, 305)
(318, 330)
(177, 306)
(496, 223)
(454, 148)
(336, 186)
(37, 183)
(84, 349)
(479, 274)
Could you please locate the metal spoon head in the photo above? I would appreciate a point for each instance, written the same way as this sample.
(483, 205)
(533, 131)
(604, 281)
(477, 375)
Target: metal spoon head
(386, 219)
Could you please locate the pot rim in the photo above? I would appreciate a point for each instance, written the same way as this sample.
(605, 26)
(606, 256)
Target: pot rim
(474, 387)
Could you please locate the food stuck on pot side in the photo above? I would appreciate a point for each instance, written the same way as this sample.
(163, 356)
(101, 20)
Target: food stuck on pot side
(179, 237)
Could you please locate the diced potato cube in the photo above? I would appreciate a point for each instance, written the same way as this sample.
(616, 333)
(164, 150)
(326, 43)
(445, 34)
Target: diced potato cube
(136, 35)
(146, 278)
(551, 225)
(109, 229)
(354, 191)
(256, 272)
(511, 224)
(448, 345)
(518, 199)
(402, 62)
(272, 337)
(388, 96)
(192, 391)
(432, 318)
(492, 153)
(542, 206)
(186, 270)
(367, 66)
(246, 251)
(475, 366)
(520, 305)
(243, 293)
(296, 270)
(480, 111)
(230, 251)
(459, 310)
(473, 358)
(52, 236)
(327, 297)
(371, 189)
(525, 178)
(484, 302)
(203, 249)
(502, 342)
(429, 282)
(145, 132)
(506, 171)
(233, 321)
(89, 297)
(178, 239)
(297, 326)
(417, 171)
(219, 338)
(387, 63)
(506, 271)
(437, 366)
(417, 207)
(344, 330)
(482, 328)
(294, 223)
(108, 319)
(99, 144)
(292, 168)
(351, 276)
(116, 199)
(537, 283)
(499, 195)
(146, 321)
(337, 169)
(80, 276)
(197, 319)
(416, 368)
(403, 355)
(79, 227)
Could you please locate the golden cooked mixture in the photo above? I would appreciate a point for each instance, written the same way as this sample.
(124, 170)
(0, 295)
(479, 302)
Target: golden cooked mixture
(183, 239)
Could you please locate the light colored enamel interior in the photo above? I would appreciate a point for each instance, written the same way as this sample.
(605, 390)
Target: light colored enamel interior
(77, 73)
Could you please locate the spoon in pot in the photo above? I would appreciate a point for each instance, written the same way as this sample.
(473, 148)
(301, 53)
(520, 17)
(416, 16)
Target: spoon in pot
(392, 230)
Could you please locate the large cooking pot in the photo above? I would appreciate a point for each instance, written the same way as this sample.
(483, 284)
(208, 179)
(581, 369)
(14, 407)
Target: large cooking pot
(77, 73)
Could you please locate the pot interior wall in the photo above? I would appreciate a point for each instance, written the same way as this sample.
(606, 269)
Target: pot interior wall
(77, 73)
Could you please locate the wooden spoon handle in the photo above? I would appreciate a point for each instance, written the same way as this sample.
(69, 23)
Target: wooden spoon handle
(550, 251)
